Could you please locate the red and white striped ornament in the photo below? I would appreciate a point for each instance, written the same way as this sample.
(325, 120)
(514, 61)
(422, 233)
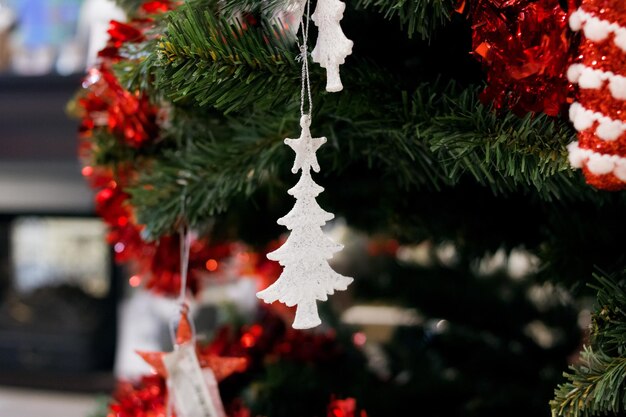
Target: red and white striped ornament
(599, 115)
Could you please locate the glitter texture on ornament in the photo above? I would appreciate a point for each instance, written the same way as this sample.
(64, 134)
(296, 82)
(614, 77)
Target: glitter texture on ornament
(307, 276)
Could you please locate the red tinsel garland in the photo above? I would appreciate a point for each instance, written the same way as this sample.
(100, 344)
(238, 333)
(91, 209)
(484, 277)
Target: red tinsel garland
(147, 398)
(344, 408)
(267, 340)
(130, 118)
(525, 49)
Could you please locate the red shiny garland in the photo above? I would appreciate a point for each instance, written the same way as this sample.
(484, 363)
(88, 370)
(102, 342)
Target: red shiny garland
(148, 397)
(270, 337)
(266, 340)
(524, 47)
(130, 118)
(344, 408)
(145, 398)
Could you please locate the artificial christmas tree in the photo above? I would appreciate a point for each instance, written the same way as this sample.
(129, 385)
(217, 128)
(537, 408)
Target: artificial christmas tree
(467, 227)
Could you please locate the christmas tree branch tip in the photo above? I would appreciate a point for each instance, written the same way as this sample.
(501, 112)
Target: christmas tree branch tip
(597, 384)
(421, 17)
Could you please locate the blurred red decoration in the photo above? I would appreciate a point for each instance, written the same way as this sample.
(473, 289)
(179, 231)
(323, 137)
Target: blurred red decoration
(148, 398)
(272, 340)
(158, 6)
(211, 265)
(122, 33)
(237, 409)
(382, 247)
(359, 338)
(129, 116)
(344, 408)
(145, 398)
(250, 337)
(524, 47)
(222, 367)
(599, 115)
(133, 121)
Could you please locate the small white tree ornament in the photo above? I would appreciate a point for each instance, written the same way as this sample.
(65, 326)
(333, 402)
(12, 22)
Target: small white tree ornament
(332, 45)
(306, 276)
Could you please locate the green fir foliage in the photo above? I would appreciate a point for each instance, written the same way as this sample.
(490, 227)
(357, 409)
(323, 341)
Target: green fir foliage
(421, 17)
(206, 60)
(597, 385)
(129, 6)
(435, 138)
(265, 8)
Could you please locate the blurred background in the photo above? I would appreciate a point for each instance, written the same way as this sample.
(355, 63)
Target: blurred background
(58, 309)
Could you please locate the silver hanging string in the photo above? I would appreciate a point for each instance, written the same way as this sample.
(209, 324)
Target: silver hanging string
(185, 248)
(304, 57)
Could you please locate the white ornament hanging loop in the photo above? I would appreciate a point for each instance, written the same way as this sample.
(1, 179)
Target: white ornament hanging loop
(305, 91)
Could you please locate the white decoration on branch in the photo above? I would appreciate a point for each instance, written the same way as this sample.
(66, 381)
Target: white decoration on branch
(608, 129)
(306, 276)
(332, 45)
(597, 163)
(596, 29)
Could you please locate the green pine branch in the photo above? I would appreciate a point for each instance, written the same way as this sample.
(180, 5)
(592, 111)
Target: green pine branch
(608, 328)
(206, 60)
(597, 385)
(436, 138)
(501, 151)
(209, 175)
(129, 6)
(265, 8)
(422, 17)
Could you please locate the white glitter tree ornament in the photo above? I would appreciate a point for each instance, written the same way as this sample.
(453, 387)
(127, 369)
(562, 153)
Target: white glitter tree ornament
(332, 45)
(306, 276)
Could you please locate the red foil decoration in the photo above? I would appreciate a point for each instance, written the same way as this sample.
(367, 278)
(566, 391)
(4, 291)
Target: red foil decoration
(158, 6)
(524, 47)
(146, 398)
(344, 408)
(260, 343)
(131, 121)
